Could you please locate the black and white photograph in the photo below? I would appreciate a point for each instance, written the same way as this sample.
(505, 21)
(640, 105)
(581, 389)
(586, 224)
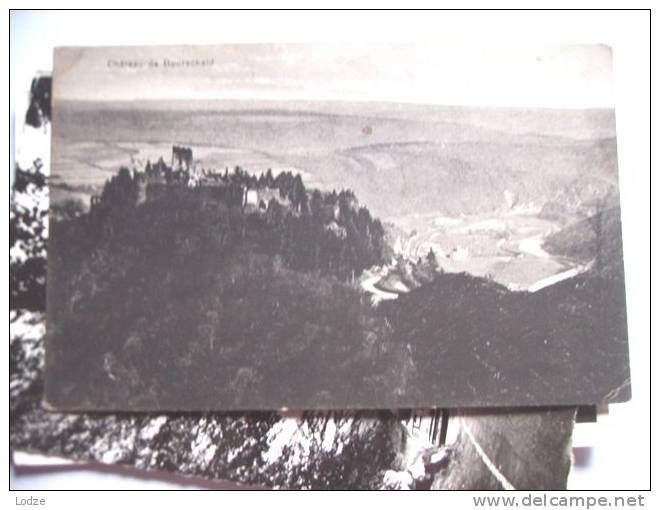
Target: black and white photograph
(339, 450)
(325, 450)
(309, 226)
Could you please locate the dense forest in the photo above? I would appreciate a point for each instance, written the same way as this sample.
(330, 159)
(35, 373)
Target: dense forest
(207, 302)
(189, 301)
(475, 341)
(327, 232)
(27, 239)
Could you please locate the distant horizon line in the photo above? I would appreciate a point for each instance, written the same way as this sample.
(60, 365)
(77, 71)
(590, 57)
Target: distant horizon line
(330, 101)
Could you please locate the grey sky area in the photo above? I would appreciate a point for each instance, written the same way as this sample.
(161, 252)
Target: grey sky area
(523, 76)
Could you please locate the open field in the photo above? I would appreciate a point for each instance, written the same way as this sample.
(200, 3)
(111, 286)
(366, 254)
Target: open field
(505, 247)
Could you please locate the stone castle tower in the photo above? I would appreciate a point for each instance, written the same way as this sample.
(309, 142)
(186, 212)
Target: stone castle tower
(182, 158)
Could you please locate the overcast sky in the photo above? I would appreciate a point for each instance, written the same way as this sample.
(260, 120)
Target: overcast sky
(552, 77)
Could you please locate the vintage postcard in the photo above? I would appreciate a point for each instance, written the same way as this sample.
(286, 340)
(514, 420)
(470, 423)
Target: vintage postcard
(258, 227)
(400, 449)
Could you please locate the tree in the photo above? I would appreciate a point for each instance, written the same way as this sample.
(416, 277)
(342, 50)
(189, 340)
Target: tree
(39, 111)
(364, 221)
(298, 192)
(269, 179)
(316, 204)
(119, 193)
(431, 259)
(27, 239)
(68, 209)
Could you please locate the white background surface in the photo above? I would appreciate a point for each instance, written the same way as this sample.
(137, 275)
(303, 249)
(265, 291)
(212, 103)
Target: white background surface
(620, 457)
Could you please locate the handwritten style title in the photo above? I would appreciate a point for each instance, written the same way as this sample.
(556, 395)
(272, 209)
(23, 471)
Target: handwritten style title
(161, 63)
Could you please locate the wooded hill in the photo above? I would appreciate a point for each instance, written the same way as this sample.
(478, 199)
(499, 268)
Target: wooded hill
(188, 303)
(198, 303)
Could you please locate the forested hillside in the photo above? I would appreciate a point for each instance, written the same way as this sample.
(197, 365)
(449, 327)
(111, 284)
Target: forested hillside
(473, 338)
(187, 301)
(596, 238)
(201, 303)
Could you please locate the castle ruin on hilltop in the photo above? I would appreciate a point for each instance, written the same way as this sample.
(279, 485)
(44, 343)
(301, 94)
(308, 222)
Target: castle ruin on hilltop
(158, 179)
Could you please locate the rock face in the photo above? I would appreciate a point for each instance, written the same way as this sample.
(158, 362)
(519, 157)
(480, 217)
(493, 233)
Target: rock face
(510, 449)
